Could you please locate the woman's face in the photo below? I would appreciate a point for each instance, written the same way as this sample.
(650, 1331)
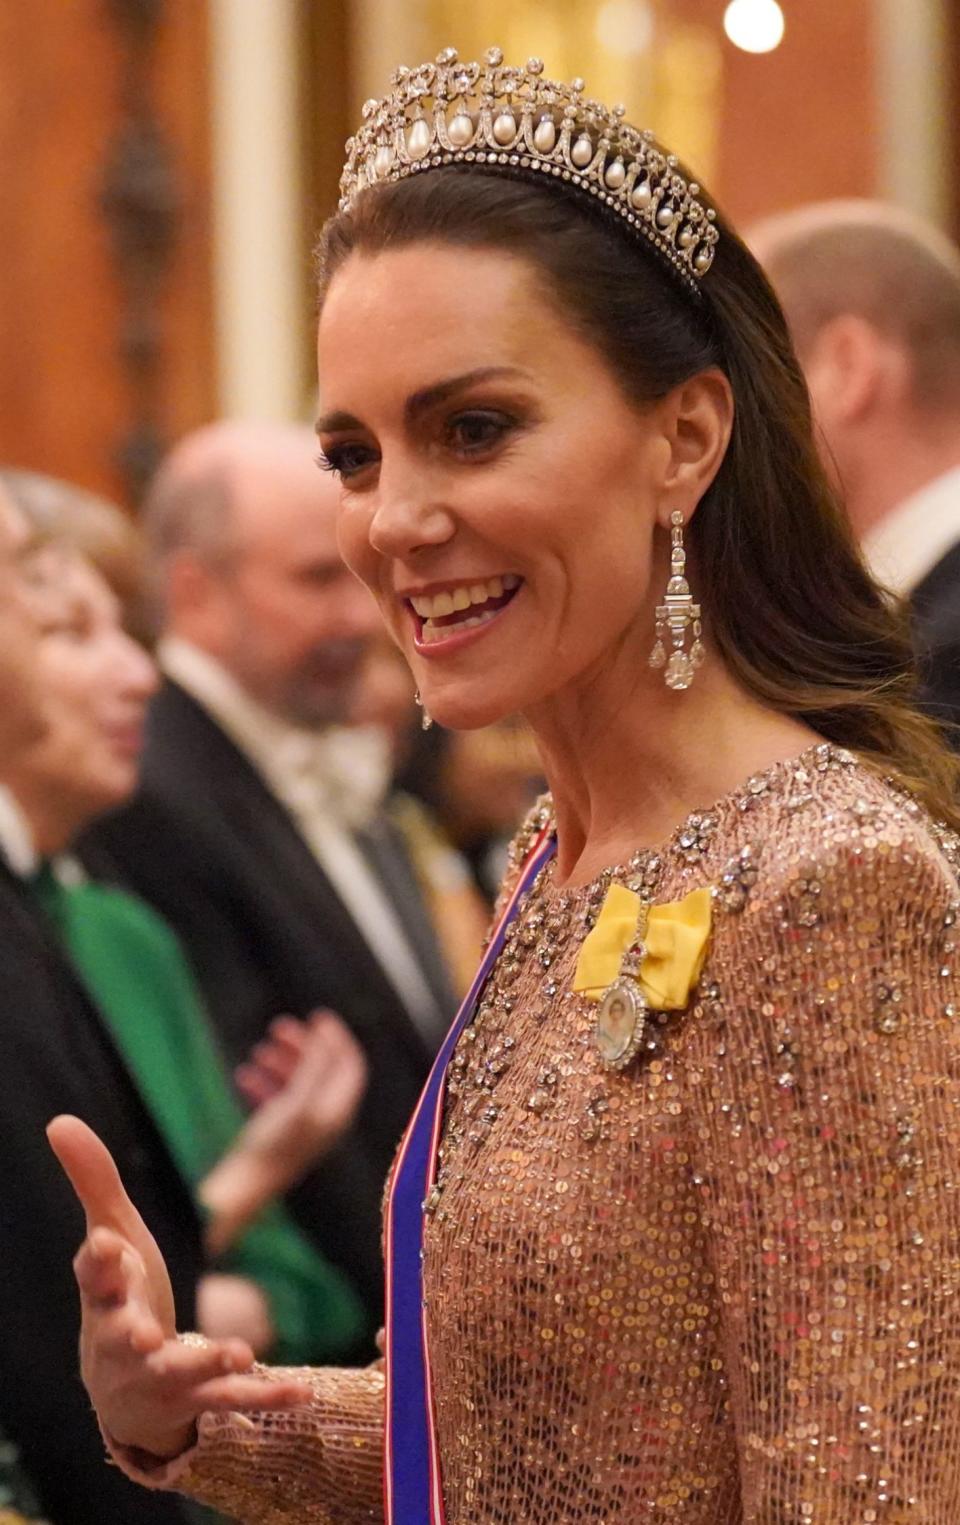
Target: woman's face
(498, 491)
(97, 682)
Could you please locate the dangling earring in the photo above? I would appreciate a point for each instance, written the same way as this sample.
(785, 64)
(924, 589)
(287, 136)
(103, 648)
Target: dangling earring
(426, 719)
(674, 616)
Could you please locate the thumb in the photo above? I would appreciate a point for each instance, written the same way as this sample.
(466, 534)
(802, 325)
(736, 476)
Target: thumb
(93, 1175)
(96, 1180)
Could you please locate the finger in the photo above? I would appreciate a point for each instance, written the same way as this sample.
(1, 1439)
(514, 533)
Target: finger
(250, 1394)
(124, 1332)
(274, 1063)
(288, 1030)
(93, 1175)
(341, 1040)
(324, 1014)
(100, 1271)
(194, 1365)
(254, 1085)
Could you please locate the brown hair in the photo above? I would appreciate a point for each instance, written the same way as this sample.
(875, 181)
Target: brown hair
(788, 601)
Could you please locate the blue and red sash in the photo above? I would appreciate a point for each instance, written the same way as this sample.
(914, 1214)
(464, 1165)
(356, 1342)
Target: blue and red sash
(412, 1484)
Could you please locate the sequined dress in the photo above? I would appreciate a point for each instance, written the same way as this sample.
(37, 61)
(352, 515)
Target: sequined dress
(722, 1286)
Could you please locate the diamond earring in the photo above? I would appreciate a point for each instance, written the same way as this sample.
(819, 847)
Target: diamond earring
(675, 616)
(426, 719)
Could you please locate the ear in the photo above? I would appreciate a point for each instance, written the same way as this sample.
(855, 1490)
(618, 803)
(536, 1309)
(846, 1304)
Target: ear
(850, 365)
(191, 589)
(697, 420)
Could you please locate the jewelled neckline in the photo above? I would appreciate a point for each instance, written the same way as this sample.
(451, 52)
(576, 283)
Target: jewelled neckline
(691, 834)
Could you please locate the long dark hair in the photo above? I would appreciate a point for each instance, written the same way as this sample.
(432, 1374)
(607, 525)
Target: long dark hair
(787, 599)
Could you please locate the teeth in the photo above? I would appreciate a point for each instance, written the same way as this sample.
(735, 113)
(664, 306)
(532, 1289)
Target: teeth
(433, 632)
(455, 600)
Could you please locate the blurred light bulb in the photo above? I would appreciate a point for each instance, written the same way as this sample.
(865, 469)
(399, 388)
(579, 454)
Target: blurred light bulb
(757, 26)
(625, 26)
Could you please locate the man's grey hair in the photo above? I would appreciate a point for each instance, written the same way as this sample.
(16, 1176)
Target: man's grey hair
(184, 511)
(879, 263)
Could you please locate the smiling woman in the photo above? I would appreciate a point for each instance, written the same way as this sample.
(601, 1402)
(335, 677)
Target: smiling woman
(672, 1234)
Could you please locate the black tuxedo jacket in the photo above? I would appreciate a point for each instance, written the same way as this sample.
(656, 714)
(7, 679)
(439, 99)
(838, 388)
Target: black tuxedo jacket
(935, 607)
(210, 846)
(56, 1056)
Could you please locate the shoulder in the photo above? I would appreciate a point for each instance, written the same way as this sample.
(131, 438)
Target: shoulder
(537, 820)
(845, 860)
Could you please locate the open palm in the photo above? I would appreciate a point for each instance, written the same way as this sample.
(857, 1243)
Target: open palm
(148, 1387)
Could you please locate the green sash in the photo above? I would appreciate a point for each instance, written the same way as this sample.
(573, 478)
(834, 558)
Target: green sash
(134, 968)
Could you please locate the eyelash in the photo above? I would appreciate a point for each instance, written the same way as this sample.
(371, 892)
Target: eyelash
(335, 458)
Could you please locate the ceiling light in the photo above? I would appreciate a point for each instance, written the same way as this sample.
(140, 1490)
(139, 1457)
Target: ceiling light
(756, 26)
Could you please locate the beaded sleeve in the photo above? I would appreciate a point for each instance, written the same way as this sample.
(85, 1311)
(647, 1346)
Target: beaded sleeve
(319, 1465)
(827, 1139)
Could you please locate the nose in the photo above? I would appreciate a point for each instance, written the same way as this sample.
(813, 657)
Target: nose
(138, 670)
(408, 516)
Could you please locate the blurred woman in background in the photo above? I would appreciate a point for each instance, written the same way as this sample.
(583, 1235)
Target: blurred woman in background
(270, 1285)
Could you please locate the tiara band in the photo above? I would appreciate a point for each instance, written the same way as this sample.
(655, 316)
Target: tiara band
(513, 119)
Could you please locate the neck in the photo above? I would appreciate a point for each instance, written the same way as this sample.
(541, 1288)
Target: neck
(626, 762)
(52, 827)
(897, 462)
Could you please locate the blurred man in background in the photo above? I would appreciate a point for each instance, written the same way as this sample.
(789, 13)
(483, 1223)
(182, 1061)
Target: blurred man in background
(257, 830)
(872, 296)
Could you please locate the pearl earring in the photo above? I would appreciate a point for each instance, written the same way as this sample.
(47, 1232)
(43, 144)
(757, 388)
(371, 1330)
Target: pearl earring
(675, 616)
(426, 719)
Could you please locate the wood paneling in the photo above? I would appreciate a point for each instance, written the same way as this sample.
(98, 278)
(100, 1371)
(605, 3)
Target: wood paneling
(800, 123)
(953, 113)
(66, 399)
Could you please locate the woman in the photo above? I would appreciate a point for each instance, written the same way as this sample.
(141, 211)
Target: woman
(711, 1279)
(266, 1282)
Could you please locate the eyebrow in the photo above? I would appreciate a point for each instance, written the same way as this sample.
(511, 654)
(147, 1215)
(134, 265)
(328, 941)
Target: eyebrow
(421, 402)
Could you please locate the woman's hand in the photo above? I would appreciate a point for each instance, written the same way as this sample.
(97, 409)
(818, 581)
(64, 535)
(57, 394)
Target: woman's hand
(234, 1307)
(147, 1387)
(306, 1080)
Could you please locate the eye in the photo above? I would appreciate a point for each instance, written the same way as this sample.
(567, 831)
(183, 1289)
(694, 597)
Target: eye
(346, 460)
(478, 431)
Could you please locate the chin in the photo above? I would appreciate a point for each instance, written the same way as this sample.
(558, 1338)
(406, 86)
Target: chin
(466, 712)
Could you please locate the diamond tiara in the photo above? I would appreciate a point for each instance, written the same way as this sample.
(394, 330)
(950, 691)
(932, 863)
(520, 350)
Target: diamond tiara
(513, 119)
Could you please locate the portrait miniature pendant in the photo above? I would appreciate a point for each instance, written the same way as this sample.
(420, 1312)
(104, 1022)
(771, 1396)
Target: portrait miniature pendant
(621, 1024)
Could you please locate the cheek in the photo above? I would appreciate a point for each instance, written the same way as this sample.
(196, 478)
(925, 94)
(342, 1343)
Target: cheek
(353, 543)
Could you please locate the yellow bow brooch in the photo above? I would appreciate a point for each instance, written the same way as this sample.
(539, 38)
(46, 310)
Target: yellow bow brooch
(671, 941)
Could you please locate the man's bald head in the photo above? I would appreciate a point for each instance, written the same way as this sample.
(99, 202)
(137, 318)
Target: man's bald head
(241, 528)
(878, 263)
(213, 486)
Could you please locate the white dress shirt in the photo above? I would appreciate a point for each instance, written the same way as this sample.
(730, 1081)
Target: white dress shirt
(909, 542)
(332, 783)
(16, 838)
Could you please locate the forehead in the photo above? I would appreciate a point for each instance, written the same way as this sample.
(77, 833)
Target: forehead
(284, 506)
(13, 527)
(86, 586)
(434, 311)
